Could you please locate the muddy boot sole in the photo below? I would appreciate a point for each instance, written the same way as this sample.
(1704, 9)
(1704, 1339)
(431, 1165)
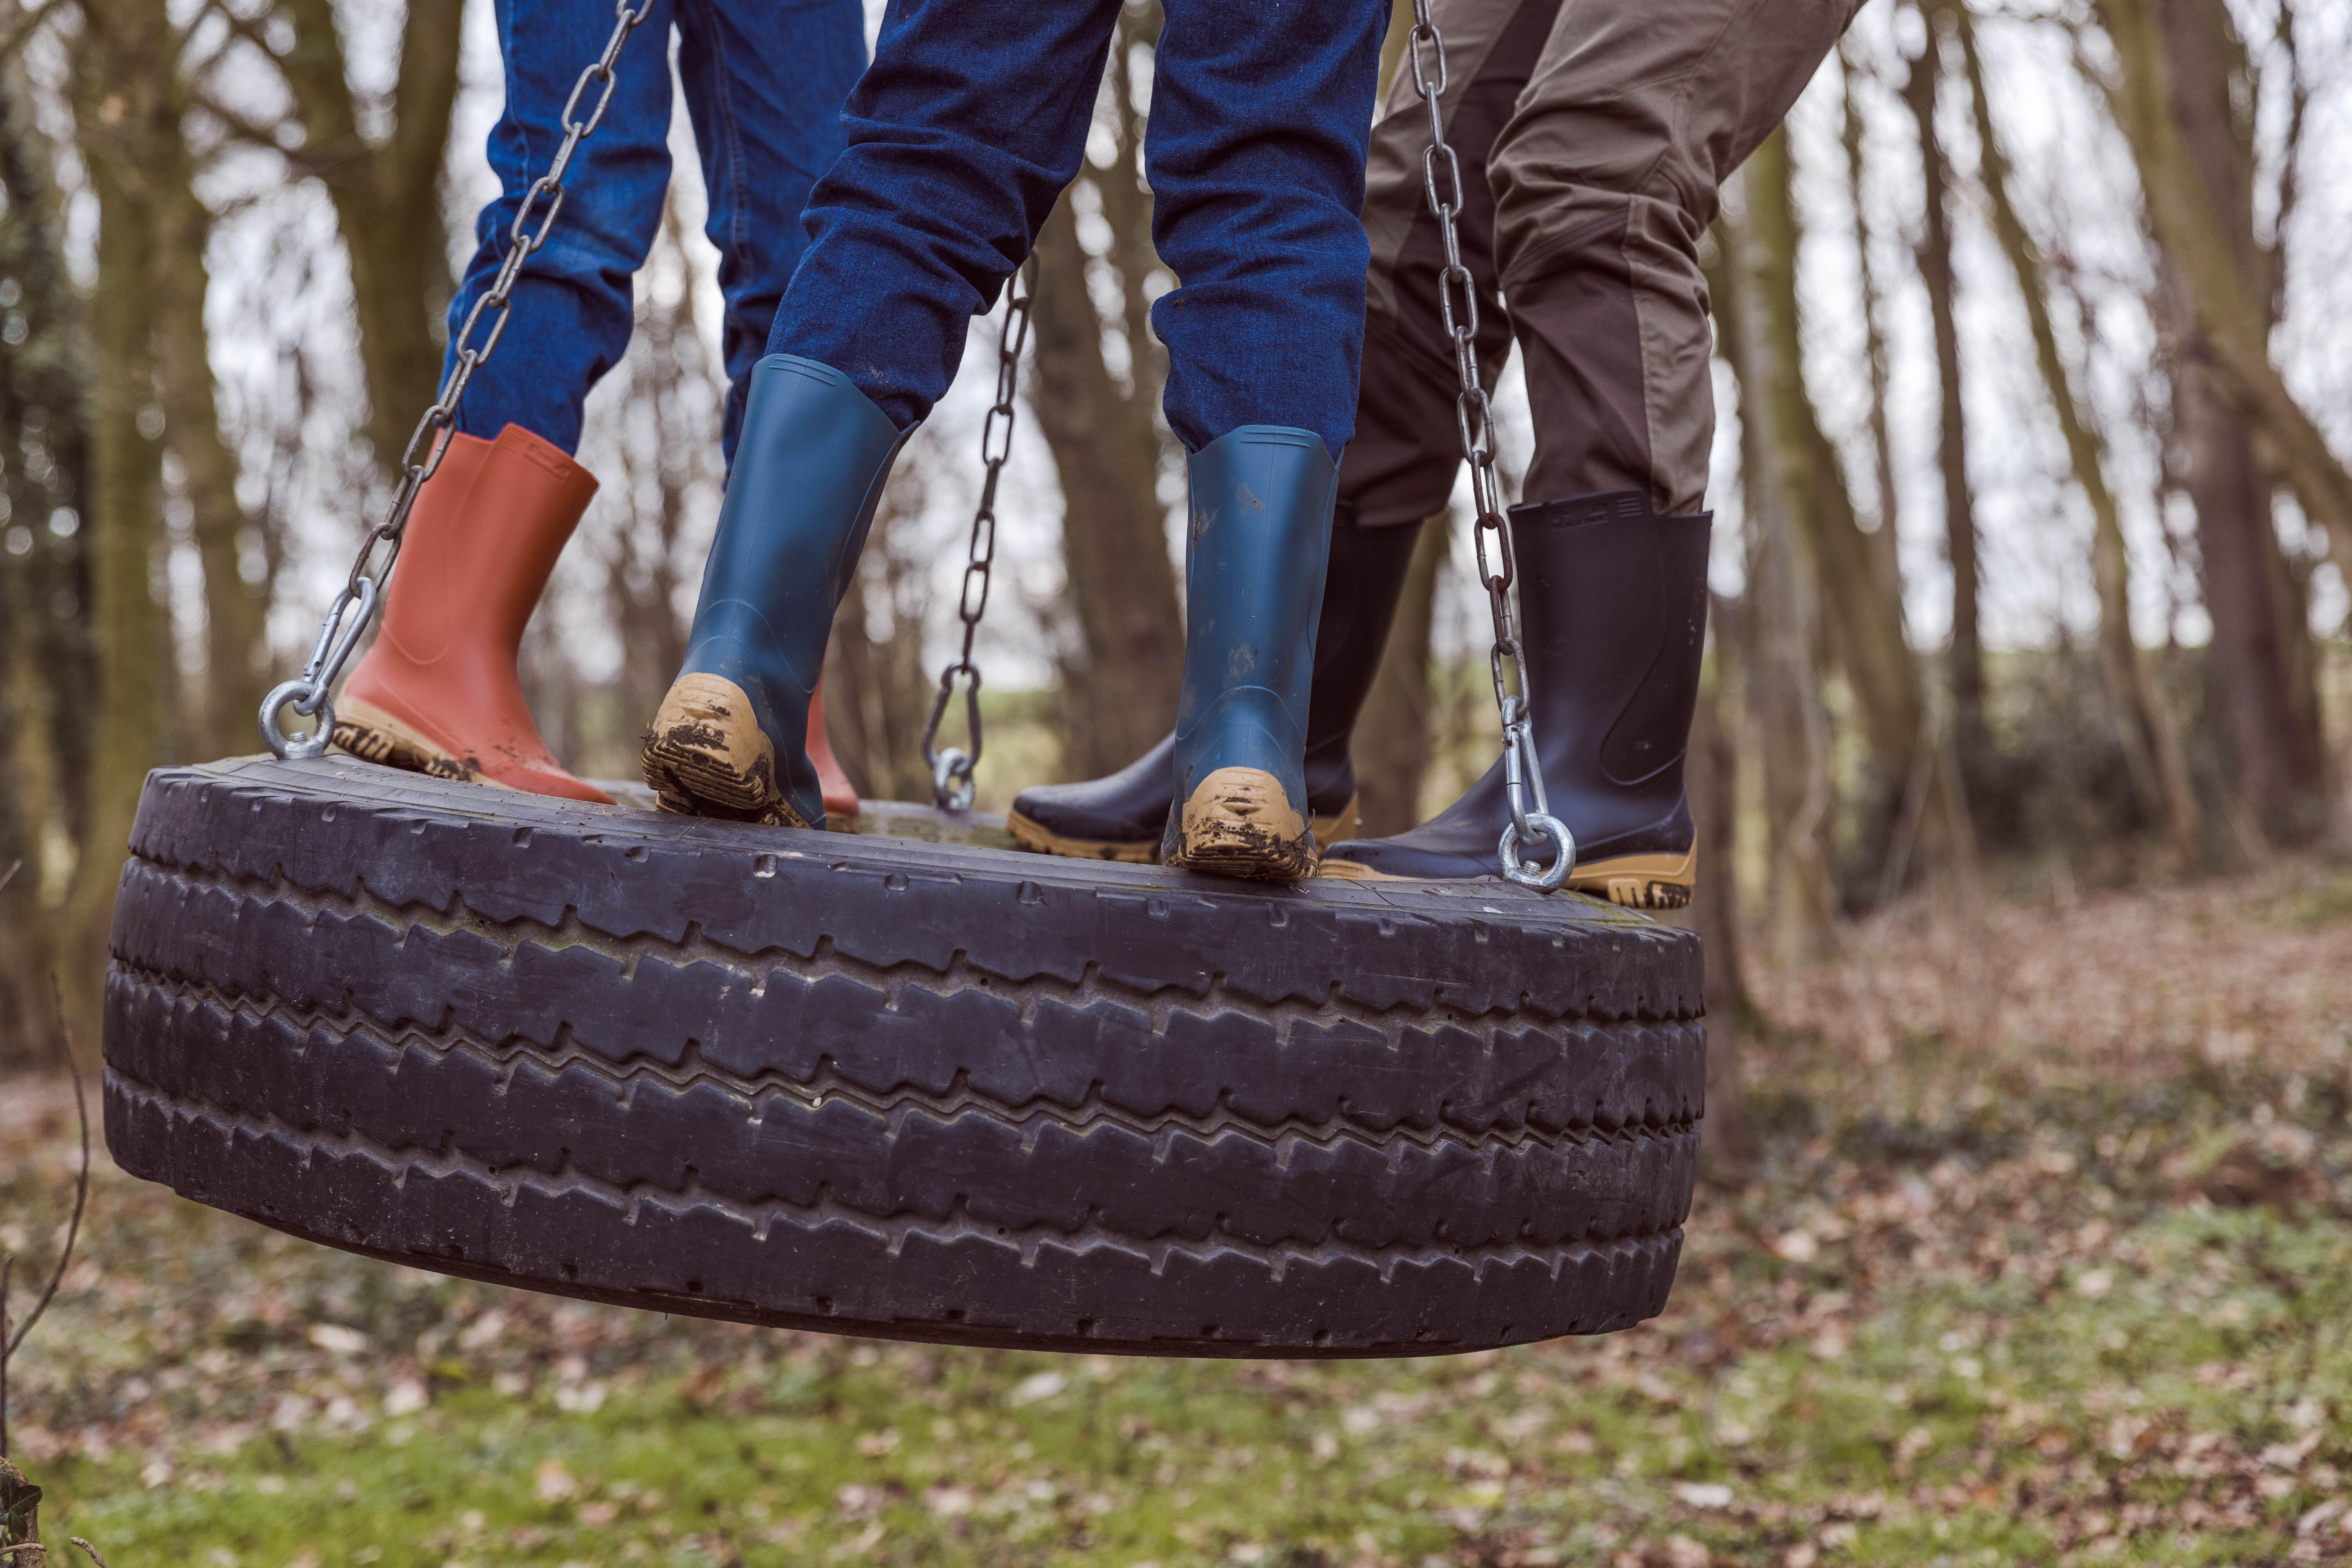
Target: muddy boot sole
(705, 755)
(1239, 823)
(1038, 838)
(373, 735)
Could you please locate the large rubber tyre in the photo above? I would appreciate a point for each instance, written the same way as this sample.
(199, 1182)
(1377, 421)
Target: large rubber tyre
(914, 1090)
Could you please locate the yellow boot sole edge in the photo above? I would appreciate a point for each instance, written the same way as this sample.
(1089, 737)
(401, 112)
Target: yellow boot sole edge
(1650, 881)
(1041, 839)
(705, 755)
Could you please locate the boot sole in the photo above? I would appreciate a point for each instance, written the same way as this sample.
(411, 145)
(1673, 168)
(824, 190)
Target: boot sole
(1038, 838)
(1649, 881)
(705, 755)
(1239, 823)
(371, 735)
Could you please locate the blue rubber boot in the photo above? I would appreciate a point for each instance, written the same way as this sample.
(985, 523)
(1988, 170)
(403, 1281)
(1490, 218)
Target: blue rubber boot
(730, 739)
(1254, 564)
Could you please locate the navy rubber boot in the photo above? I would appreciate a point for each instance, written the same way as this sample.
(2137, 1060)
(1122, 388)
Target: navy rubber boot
(730, 739)
(1121, 817)
(1255, 557)
(1612, 615)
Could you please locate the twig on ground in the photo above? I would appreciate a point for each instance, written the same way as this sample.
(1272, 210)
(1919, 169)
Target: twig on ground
(87, 1547)
(10, 1346)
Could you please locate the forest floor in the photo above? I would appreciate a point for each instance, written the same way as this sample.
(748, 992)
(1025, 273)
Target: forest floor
(2046, 1257)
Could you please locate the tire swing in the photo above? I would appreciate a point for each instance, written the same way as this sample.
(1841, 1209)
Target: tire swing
(928, 1090)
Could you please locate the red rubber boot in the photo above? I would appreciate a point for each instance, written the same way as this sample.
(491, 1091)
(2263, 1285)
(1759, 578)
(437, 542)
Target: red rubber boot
(840, 795)
(437, 693)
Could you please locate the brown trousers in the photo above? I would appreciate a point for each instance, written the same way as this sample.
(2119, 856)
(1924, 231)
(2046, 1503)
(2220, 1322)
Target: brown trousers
(1593, 137)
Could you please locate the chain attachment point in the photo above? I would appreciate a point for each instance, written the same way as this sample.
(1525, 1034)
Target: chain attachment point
(421, 458)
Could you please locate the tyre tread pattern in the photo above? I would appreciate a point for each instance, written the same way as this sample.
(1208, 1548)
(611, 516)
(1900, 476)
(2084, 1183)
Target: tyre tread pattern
(782, 1076)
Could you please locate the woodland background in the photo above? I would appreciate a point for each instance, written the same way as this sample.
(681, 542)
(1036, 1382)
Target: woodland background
(2027, 1222)
(2033, 381)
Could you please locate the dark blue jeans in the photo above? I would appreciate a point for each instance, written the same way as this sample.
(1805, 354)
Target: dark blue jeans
(973, 118)
(764, 84)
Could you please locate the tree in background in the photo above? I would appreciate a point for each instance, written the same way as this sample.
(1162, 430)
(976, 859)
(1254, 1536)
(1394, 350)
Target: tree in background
(45, 674)
(2152, 742)
(1124, 653)
(2184, 91)
(1964, 660)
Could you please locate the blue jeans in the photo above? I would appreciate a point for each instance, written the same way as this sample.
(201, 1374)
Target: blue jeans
(764, 84)
(973, 118)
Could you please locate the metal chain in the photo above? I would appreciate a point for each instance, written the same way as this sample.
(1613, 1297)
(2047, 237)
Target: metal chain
(1457, 304)
(951, 770)
(355, 606)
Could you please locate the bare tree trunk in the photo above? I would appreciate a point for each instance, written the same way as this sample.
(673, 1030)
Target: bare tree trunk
(1714, 778)
(2151, 743)
(1786, 654)
(2182, 92)
(25, 1027)
(236, 644)
(1392, 740)
(386, 195)
(1119, 685)
(42, 662)
(1885, 541)
(1966, 659)
(1861, 607)
(121, 72)
(2264, 705)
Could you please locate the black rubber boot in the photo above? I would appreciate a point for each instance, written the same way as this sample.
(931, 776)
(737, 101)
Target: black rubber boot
(1121, 817)
(1612, 614)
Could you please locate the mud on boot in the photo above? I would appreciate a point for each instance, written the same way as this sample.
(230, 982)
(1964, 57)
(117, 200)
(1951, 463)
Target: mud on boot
(729, 739)
(1254, 556)
(1123, 815)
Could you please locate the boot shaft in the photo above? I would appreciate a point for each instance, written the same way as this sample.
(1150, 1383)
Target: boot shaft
(1256, 553)
(811, 460)
(480, 543)
(1612, 614)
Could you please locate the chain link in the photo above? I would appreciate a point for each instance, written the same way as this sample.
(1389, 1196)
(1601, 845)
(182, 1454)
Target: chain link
(355, 606)
(951, 770)
(1457, 307)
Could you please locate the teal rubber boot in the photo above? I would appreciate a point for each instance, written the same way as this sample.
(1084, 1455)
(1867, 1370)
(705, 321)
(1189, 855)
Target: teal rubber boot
(730, 739)
(1254, 564)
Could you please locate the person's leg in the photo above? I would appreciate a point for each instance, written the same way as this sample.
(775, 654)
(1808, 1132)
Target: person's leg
(1260, 117)
(1408, 448)
(573, 303)
(1605, 178)
(961, 136)
(1398, 466)
(437, 691)
(765, 82)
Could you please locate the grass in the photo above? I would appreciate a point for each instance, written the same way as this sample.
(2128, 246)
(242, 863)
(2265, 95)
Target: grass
(2045, 1259)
